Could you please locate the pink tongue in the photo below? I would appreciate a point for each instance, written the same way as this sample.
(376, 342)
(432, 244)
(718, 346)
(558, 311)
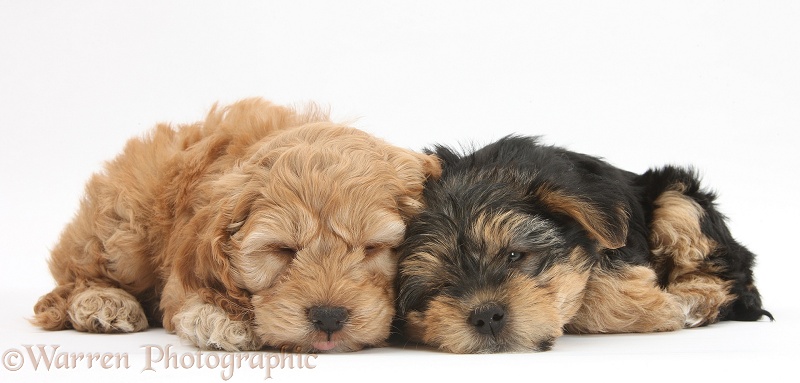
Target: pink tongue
(324, 346)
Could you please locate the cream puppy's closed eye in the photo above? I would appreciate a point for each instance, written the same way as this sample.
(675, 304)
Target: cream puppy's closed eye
(340, 232)
(261, 226)
(267, 249)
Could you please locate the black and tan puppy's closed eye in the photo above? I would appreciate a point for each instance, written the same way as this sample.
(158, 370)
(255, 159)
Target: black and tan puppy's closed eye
(520, 241)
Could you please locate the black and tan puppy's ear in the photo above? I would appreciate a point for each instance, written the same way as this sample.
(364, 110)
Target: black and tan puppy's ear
(592, 192)
(605, 219)
(447, 157)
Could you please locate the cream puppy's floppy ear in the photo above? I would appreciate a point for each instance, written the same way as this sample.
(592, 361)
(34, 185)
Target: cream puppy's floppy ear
(413, 169)
(202, 259)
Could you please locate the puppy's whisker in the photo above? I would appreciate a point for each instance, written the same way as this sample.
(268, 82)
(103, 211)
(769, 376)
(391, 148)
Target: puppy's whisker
(519, 223)
(229, 230)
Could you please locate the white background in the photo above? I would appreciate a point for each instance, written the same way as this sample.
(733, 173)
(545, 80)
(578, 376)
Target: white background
(710, 83)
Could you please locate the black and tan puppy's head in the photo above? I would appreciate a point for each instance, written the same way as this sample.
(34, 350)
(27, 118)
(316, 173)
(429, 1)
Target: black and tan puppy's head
(499, 258)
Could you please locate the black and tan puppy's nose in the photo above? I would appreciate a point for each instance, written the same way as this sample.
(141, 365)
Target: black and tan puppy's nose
(327, 318)
(488, 319)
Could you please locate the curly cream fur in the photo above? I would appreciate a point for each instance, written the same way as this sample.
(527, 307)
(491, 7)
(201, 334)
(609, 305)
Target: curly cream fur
(227, 230)
(209, 326)
(105, 310)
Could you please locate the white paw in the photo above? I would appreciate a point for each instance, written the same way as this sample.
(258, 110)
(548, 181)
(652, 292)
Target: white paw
(691, 318)
(209, 327)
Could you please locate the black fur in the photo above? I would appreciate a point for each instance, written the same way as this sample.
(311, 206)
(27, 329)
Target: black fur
(504, 176)
(495, 179)
(736, 261)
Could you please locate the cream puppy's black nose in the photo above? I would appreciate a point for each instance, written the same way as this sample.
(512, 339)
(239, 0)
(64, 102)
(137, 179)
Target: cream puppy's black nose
(327, 318)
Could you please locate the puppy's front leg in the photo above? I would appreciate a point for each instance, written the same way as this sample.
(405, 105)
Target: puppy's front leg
(210, 327)
(626, 300)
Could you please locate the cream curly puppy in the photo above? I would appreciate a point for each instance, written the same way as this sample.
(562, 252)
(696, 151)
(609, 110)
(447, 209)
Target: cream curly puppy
(260, 226)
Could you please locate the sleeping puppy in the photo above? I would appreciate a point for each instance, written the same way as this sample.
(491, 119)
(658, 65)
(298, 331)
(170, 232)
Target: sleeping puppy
(260, 226)
(519, 241)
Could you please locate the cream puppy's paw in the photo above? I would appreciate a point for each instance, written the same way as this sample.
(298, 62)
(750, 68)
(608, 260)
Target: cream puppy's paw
(106, 310)
(209, 327)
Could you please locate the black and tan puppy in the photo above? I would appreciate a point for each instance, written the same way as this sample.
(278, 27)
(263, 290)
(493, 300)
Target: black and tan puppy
(520, 242)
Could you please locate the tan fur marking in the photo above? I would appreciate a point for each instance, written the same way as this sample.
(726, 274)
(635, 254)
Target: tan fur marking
(676, 232)
(701, 296)
(676, 238)
(570, 278)
(423, 264)
(536, 310)
(589, 216)
(497, 230)
(626, 301)
(531, 317)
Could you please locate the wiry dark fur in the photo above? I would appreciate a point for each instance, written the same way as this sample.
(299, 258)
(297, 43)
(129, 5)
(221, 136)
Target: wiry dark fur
(735, 261)
(576, 220)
